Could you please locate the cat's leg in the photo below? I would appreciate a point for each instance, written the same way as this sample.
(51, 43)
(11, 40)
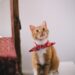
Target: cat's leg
(46, 70)
(35, 71)
(55, 61)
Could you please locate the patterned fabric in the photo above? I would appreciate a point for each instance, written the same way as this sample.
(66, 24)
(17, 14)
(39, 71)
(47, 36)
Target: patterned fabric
(39, 47)
(7, 48)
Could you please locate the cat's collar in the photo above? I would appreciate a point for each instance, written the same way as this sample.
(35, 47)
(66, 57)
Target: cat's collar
(39, 47)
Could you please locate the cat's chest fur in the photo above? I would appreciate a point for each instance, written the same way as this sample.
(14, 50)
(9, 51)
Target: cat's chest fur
(41, 55)
(41, 52)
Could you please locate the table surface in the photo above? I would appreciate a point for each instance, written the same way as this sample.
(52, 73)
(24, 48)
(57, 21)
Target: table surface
(66, 68)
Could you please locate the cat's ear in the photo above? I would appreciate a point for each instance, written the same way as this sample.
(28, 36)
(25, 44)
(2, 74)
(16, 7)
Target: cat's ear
(44, 24)
(32, 27)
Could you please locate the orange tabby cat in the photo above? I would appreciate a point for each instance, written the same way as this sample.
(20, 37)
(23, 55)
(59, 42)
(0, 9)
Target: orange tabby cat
(44, 56)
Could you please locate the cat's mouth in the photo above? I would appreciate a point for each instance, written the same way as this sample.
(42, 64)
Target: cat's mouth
(42, 35)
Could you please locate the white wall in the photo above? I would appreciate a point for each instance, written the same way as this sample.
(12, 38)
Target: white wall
(5, 19)
(60, 17)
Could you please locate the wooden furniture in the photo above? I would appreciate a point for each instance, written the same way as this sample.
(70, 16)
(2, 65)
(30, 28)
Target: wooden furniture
(16, 26)
(8, 57)
(10, 51)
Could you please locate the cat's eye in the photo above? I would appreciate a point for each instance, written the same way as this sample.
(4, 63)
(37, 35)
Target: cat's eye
(43, 29)
(37, 30)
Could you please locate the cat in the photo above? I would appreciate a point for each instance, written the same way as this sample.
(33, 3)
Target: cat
(44, 56)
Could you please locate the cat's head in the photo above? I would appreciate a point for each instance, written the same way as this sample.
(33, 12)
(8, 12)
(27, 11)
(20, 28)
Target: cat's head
(40, 32)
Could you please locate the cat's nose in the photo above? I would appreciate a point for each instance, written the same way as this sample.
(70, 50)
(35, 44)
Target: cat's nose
(42, 35)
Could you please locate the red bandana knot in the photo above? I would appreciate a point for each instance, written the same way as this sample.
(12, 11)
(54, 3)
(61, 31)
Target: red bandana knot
(39, 47)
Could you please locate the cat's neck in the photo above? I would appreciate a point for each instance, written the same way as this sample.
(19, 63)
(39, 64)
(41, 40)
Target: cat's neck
(40, 42)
